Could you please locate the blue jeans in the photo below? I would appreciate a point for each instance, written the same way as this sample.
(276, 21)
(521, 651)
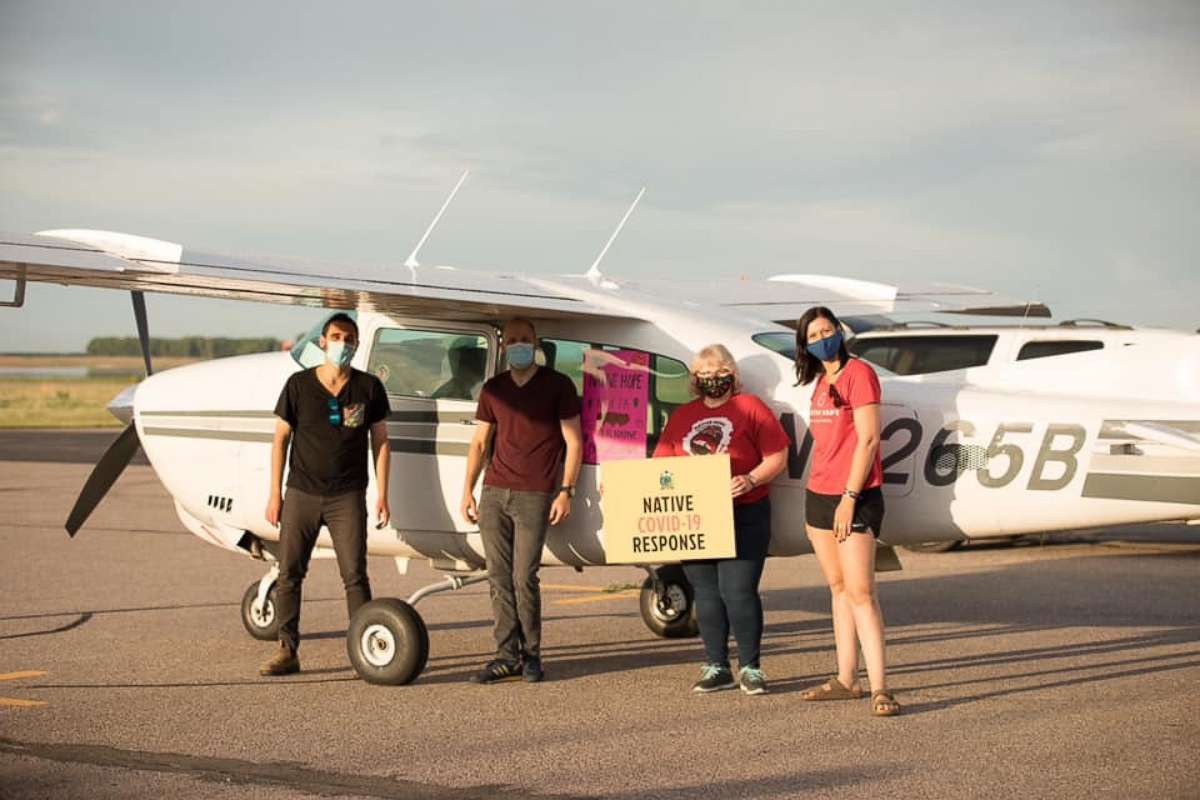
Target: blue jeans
(726, 590)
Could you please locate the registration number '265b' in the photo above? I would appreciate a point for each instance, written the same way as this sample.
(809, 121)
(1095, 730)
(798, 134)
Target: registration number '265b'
(1054, 465)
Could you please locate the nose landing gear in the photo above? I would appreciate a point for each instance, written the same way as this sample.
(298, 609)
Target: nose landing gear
(258, 608)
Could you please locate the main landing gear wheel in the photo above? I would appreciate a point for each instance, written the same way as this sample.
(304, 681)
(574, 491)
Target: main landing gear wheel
(260, 621)
(671, 614)
(387, 642)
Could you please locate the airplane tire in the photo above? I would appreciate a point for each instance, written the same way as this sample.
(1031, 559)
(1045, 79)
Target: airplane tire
(677, 620)
(261, 623)
(387, 642)
(933, 547)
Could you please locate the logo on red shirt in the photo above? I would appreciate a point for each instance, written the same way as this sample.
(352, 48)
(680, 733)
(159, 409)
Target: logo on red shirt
(709, 436)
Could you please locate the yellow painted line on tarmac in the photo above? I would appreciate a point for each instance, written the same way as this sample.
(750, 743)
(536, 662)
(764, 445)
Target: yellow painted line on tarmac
(14, 702)
(597, 598)
(575, 587)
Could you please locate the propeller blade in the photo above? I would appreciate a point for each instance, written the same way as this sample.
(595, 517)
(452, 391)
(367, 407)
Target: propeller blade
(143, 328)
(107, 470)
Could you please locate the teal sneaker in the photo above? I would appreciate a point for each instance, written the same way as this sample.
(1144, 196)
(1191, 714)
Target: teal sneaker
(714, 677)
(753, 681)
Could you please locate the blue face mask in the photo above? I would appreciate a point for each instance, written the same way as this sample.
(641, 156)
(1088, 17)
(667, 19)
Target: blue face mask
(826, 349)
(339, 353)
(520, 355)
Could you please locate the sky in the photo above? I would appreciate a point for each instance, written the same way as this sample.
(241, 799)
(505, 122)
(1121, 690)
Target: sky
(1046, 150)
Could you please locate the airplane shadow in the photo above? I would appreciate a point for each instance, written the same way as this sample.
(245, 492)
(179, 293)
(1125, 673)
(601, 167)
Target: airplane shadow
(83, 617)
(80, 619)
(777, 786)
(345, 674)
(1071, 597)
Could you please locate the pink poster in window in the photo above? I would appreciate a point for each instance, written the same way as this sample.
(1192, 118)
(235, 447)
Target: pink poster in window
(616, 390)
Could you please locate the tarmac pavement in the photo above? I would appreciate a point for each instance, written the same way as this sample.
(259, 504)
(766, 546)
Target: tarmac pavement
(1066, 669)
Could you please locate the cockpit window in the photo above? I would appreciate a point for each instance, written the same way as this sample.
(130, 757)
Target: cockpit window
(440, 365)
(782, 342)
(307, 351)
(921, 355)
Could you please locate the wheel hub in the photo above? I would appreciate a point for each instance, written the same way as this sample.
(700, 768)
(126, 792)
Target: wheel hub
(377, 645)
(671, 604)
(262, 613)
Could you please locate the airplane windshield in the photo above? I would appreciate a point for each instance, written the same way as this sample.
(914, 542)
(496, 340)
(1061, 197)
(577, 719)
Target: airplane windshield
(307, 351)
(782, 342)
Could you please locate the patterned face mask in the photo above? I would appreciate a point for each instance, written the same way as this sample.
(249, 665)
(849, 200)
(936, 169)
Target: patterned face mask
(714, 386)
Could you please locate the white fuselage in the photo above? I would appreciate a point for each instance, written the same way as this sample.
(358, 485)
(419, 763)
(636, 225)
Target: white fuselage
(1033, 446)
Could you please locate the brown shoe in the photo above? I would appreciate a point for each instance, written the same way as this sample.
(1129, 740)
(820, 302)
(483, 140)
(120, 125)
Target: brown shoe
(284, 662)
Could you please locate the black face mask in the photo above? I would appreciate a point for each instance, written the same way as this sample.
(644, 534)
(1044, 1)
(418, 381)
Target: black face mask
(716, 386)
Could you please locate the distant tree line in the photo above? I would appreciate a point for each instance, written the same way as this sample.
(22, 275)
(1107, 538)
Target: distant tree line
(185, 347)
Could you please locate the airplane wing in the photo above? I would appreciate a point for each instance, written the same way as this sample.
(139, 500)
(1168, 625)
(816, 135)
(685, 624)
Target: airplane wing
(122, 261)
(787, 297)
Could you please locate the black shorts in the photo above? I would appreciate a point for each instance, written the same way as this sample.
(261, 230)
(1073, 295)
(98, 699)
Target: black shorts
(868, 511)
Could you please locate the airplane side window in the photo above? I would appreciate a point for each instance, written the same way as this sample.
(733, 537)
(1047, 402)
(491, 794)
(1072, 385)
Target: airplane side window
(627, 394)
(1057, 348)
(433, 364)
(921, 355)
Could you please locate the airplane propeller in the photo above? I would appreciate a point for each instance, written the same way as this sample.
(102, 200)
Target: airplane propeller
(118, 455)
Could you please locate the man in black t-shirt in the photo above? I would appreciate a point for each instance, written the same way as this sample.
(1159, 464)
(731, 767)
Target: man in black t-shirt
(326, 413)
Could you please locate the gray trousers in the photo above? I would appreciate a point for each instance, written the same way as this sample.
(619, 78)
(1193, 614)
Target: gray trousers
(513, 527)
(303, 515)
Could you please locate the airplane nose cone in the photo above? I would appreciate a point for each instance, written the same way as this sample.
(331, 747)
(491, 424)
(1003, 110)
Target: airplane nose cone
(121, 406)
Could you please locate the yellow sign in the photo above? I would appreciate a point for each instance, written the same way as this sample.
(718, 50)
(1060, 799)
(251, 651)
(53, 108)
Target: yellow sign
(660, 510)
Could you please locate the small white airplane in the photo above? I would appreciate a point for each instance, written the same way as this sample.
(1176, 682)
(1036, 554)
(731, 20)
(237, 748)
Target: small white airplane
(1071, 441)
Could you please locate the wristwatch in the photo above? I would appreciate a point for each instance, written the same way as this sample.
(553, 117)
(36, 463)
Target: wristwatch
(570, 490)
(853, 495)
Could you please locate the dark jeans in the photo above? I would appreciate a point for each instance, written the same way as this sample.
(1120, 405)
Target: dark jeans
(726, 590)
(303, 516)
(513, 527)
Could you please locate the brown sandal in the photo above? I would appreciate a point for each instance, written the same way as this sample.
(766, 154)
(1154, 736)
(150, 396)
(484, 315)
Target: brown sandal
(883, 704)
(832, 689)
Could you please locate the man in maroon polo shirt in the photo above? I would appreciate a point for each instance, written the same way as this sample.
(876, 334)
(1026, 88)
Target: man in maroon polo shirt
(530, 416)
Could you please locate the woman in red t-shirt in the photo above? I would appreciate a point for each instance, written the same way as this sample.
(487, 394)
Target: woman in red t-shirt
(844, 502)
(723, 419)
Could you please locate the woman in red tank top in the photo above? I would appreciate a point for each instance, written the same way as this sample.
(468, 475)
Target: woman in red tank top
(844, 502)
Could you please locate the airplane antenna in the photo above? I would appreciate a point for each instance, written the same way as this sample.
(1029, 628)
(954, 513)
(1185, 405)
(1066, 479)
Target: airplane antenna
(593, 273)
(1037, 290)
(411, 262)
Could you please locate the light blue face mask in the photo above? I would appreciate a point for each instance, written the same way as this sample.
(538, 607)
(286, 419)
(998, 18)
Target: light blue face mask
(339, 353)
(826, 349)
(520, 355)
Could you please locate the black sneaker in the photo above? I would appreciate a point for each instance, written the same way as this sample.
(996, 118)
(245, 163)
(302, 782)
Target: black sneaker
(497, 671)
(714, 678)
(532, 671)
(753, 681)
